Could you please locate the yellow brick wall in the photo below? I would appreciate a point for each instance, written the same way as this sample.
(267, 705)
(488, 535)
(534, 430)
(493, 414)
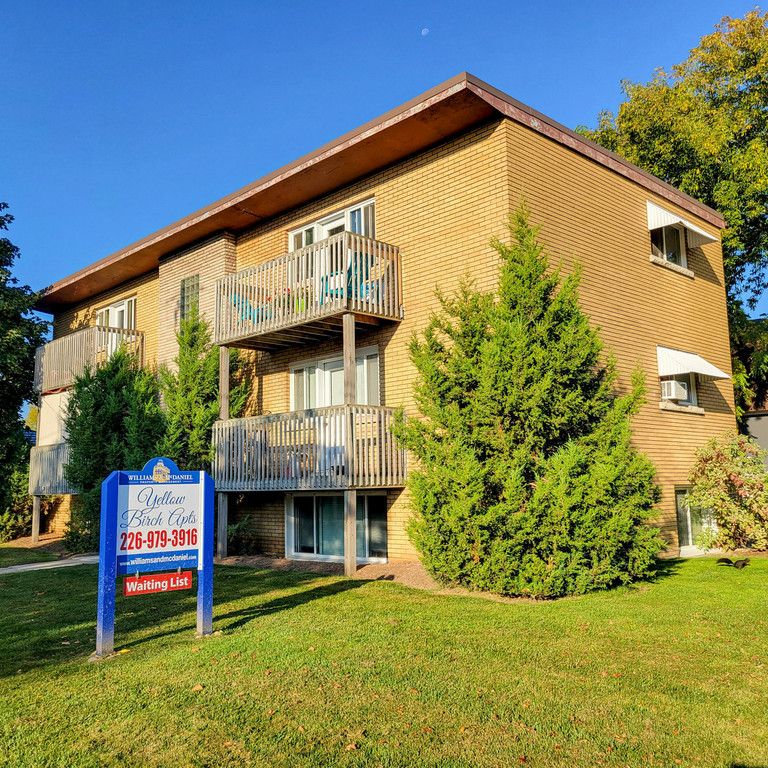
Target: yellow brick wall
(597, 218)
(441, 209)
(210, 260)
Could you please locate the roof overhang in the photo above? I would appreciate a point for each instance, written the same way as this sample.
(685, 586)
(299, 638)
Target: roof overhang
(675, 362)
(442, 112)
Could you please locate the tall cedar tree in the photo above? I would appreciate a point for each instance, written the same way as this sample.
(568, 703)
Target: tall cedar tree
(20, 334)
(191, 394)
(703, 127)
(526, 482)
(114, 421)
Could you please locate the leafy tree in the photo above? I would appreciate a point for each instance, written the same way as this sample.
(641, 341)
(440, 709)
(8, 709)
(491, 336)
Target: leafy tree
(729, 480)
(526, 483)
(114, 421)
(20, 334)
(191, 394)
(703, 126)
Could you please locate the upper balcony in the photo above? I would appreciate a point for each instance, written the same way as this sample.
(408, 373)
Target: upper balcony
(300, 297)
(59, 362)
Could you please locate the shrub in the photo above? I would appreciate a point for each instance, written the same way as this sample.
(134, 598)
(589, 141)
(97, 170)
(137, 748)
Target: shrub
(527, 483)
(191, 395)
(729, 479)
(114, 421)
(16, 517)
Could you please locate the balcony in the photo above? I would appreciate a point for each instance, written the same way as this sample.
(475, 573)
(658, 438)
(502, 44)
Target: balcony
(59, 362)
(300, 297)
(46, 470)
(320, 449)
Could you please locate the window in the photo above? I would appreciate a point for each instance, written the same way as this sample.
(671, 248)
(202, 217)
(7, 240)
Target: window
(668, 243)
(189, 296)
(321, 383)
(121, 314)
(682, 390)
(317, 526)
(360, 219)
(691, 522)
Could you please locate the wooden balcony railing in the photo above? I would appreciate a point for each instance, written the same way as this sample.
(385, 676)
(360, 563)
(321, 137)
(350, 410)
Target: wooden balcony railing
(46, 470)
(61, 360)
(307, 450)
(345, 273)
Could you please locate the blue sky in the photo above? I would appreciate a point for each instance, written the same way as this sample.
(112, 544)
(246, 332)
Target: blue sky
(119, 118)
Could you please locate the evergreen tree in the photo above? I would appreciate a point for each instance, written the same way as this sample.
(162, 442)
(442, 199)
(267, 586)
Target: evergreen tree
(526, 483)
(114, 421)
(191, 394)
(20, 334)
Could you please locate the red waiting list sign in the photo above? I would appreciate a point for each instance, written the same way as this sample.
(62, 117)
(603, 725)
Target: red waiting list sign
(156, 582)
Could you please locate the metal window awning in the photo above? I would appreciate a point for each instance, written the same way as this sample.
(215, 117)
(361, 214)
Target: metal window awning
(660, 217)
(673, 362)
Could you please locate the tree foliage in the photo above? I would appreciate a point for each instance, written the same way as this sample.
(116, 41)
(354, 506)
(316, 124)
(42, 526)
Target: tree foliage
(191, 394)
(526, 481)
(729, 479)
(20, 334)
(703, 127)
(114, 421)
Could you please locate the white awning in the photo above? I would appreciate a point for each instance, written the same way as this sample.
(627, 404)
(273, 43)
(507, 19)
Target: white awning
(673, 362)
(659, 217)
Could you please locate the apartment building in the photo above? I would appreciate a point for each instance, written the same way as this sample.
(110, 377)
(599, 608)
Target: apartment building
(321, 271)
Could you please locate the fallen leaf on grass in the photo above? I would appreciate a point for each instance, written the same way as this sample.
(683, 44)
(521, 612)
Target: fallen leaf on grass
(351, 747)
(197, 688)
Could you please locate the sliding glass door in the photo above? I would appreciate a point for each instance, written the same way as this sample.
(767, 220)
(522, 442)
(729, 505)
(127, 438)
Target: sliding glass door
(317, 526)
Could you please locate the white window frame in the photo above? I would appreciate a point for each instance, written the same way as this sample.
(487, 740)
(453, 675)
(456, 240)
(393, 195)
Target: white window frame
(322, 375)
(290, 523)
(693, 392)
(683, 248)
(319, 228)
(128, 305)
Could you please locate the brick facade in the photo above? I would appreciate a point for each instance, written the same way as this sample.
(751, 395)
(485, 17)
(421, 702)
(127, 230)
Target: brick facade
(441, 207)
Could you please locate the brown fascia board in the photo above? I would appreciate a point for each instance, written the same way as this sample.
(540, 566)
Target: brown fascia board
(444, 111)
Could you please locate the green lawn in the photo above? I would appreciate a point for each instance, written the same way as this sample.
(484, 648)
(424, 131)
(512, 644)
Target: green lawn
(319, 671)
(10, 555)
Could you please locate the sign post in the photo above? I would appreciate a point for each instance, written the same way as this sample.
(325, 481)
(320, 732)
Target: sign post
(158, 519)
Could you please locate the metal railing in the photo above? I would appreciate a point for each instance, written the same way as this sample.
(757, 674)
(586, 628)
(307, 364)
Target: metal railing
(320, 449)
(46, 470)
(346, 272)
(60, 361)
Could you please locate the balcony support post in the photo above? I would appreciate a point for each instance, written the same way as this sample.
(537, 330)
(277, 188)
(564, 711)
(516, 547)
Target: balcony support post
(223, 498)
(35, 519)
(350, 494)
(223, 383)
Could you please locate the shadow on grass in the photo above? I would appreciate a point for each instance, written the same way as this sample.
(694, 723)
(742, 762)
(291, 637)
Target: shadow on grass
(52, 614)
(665, 567)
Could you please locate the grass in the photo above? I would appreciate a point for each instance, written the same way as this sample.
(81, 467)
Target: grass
(11, 555)
(319, 671)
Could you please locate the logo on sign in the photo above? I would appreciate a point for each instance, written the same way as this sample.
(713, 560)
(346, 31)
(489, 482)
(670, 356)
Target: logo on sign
(161, 473)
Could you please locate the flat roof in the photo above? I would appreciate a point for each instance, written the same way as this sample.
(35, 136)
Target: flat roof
(444, 111)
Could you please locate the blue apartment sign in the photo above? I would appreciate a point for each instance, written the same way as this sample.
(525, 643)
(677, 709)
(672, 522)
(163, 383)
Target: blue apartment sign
(156, 519)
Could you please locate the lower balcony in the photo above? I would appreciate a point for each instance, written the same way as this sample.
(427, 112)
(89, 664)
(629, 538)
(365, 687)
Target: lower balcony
(59, 362)
(320, 449)
(46, 470)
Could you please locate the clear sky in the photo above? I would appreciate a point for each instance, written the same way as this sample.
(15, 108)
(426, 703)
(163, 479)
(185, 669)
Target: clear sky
(121, 117)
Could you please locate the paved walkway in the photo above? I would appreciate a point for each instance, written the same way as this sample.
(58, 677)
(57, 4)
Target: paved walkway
(79, 560)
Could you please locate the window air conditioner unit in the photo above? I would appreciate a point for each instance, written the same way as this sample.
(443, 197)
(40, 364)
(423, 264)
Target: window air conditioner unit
(672, 389)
